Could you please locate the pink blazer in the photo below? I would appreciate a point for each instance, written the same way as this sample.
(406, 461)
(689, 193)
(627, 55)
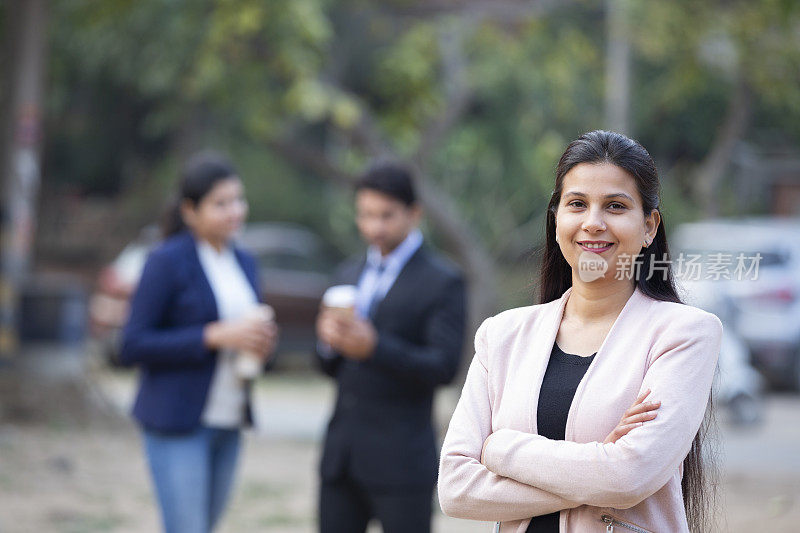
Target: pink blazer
(494, 466)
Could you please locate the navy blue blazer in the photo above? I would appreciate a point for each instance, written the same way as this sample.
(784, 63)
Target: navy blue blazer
(381, 432)
(164, 335)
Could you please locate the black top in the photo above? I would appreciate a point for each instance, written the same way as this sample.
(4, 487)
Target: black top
(564, 373)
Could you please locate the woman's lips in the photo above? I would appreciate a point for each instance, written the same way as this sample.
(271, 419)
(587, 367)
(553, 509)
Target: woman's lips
(596, 249)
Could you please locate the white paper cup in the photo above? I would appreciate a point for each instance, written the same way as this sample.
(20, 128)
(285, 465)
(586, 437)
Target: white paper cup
(341, 298)
(248, 364)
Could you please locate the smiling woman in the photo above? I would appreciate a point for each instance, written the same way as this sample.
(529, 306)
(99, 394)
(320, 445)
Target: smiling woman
(601, 212)
(585, 411)
(607, 183)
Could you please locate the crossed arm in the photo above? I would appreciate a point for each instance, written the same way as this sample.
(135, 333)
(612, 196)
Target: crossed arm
(467, 488)
(510, 475)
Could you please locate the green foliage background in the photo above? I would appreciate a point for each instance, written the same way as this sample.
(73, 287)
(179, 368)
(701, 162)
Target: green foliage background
(137, 85)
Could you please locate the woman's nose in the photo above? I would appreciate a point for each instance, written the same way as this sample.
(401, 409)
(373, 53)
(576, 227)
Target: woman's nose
(594, 221)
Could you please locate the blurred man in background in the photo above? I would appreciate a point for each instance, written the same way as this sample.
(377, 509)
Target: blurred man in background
(402, 339)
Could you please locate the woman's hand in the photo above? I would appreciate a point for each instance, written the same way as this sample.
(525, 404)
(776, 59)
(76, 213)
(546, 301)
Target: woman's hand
(256, 336)
(639, 413)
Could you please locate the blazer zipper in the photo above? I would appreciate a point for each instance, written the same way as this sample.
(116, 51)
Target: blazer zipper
(611, 522)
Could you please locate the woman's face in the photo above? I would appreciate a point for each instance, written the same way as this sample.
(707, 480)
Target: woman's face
(218, 214)
(600, 220)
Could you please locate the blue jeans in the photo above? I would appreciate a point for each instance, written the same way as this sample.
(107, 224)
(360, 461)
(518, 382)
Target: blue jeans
(193, 474)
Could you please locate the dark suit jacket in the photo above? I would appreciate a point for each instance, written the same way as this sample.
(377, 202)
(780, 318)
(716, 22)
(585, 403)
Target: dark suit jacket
(381, 431)
(164, 335)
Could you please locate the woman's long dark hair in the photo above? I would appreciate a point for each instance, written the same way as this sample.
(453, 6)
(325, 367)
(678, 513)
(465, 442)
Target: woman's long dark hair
(556, 274)
(200, 174)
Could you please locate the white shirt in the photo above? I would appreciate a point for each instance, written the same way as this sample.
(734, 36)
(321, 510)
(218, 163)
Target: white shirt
(234, 296)
(380, 272)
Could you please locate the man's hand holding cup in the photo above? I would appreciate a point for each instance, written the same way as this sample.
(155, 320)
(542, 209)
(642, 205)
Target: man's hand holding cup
(340, 327)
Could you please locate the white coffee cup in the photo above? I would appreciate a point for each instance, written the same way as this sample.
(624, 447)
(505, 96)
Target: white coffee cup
(248, 364)
(341, 298)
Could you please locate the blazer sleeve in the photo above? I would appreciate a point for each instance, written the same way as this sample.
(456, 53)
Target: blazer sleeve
(626, 472)
(145, 339)
(436, 360)
(328, 360)
(467, 489)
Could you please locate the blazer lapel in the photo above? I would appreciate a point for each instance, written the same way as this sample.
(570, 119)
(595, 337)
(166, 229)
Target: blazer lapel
(541, 338)
(250, 273)
(628, 320)
(401, 284)
(530, 351)
(201, 280)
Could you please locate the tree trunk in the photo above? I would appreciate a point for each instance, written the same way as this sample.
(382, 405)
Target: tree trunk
(618, 66)
(47, 384)
(460, 240)
(712, 169)
(26, 22)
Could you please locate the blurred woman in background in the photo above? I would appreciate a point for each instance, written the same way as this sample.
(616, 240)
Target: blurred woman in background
(191, 315)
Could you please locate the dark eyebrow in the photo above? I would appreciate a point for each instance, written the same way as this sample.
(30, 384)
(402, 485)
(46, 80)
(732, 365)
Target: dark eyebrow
(608, 196)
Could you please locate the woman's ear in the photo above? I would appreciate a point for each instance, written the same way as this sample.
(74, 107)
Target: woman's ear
(188, 213)
(651, 223)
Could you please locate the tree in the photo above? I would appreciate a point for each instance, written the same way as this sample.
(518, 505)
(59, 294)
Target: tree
(481, 96)
(19, 155)
(713, 75)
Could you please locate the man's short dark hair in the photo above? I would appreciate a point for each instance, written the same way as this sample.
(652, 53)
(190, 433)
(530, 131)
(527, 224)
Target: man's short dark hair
(391, 179)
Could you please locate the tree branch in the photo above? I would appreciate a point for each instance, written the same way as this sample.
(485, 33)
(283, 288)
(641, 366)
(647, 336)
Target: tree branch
(312, 159)
(368, 136)
(712, 170)
(503, 11)
(458, 93)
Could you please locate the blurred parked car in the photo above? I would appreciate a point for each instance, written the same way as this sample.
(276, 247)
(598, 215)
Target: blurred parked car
(737, 385)
(763, 309)
(295, 268)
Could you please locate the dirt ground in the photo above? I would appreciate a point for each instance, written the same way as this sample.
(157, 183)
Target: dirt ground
(58, 477)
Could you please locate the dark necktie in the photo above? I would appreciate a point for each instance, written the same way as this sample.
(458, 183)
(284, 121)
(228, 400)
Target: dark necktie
(375, 300)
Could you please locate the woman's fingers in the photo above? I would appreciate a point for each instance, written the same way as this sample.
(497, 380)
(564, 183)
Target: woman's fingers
(626, 426)
(641, 397)
(621, 431)
(253, 344)
(639, 418)
(639, 413)
(641, 408)
(261, 335)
